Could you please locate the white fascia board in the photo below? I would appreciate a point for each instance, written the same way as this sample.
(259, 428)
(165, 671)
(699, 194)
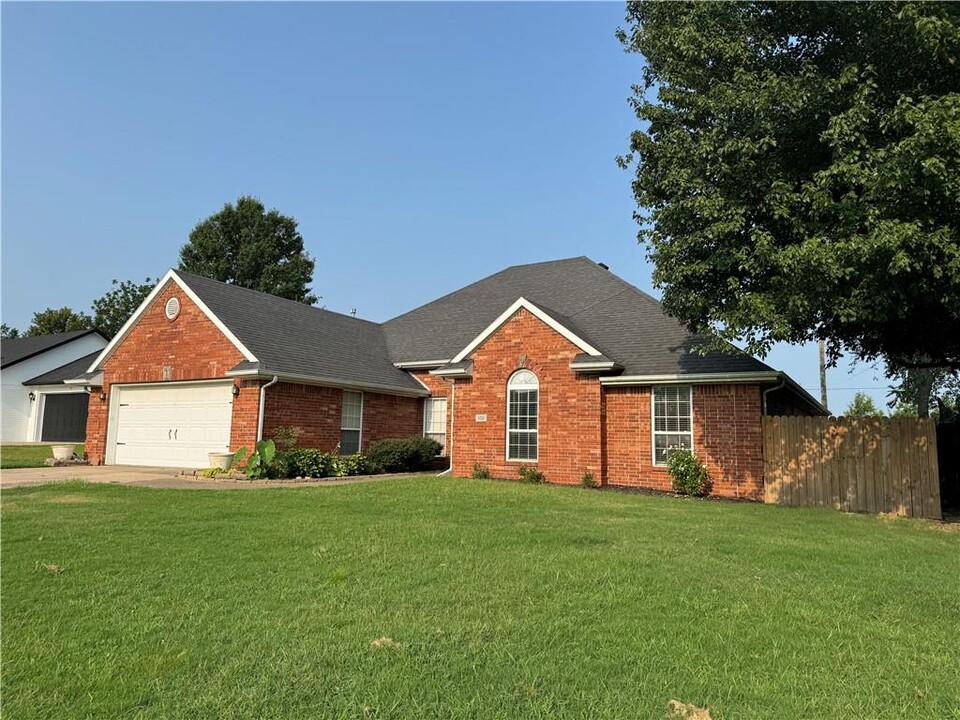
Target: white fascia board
(454, 372)
(693, 378)
(420, 364)
(593, 366)
(94, 381)
(536, 312)
(128, 325)
(332, 382)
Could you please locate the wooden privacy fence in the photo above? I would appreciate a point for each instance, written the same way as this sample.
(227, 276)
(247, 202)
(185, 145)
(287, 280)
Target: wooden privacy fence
(875, 465)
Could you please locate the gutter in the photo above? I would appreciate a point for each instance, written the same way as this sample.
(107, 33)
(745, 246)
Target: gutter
(783, 382)
(263, 396)
(769, 376)
(329, 382)
(453, 406)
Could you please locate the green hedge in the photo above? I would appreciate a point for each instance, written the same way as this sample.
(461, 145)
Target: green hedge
(403, 454)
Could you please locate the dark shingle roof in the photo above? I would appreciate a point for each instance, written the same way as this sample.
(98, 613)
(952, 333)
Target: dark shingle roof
(71, 370)
(291, 338)
(624, 323)
(17, 350)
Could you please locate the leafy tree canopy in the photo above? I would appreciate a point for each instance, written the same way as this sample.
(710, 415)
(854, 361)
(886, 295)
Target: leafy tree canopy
(8, 332)
(924, 390)
(247, 245)
(116, 306)
(798, 172)
(862, 405)
(57, 320)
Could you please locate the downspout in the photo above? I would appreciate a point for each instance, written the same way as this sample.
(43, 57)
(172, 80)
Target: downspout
(453, 396)
(783, 381)
(263, 397)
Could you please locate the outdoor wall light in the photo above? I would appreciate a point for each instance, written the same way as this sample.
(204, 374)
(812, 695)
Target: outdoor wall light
(103, 396)
(32, 395)
(235, 390)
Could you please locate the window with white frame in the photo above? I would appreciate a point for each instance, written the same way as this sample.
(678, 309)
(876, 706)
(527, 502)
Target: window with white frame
(523, 407)
(435, 421)
(351, 420)
(672, 421)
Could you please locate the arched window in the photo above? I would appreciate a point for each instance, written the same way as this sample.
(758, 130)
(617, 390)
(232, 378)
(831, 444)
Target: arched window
(523, 409)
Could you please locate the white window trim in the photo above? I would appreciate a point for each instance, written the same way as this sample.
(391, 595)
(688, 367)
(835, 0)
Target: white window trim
(507, 418)
(653, 424)
(446, 419)
(358, 430)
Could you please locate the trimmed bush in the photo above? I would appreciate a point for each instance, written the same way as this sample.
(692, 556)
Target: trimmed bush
(480, 472)
(358, 464)
(689, 474)
(308, 462)
(530, 474)
(403, 455)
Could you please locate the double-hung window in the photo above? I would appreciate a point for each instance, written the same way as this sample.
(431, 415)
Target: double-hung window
(435, 421)
(672, 421)
(351, 420)
(523, 406)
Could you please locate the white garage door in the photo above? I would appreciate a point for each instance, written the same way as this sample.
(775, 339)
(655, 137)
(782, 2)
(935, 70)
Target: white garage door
(171, 425)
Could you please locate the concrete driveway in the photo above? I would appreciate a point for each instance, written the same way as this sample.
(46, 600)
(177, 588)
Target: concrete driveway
(150, 477)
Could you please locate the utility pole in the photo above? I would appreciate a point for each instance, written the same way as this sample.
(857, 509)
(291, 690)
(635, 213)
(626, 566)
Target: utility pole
(823, 374)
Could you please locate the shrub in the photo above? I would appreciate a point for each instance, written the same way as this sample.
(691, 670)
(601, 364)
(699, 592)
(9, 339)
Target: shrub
(587, 480)
(689, 474)
(530, 474)
(357, 464)
(403, 455)
(308, 462)
(480, 472)
(286, 437)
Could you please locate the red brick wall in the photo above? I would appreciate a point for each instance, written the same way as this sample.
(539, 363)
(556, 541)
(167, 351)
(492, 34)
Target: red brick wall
(569, 437)
(727, 436)
(390, 416)
(190, 345)
(316, 410)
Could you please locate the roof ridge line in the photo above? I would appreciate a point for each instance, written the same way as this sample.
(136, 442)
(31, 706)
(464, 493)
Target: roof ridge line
(235, 287)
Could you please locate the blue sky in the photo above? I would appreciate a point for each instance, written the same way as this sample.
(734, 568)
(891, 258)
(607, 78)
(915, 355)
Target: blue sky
(419, 146)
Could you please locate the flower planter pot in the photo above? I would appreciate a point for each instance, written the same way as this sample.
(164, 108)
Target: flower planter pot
(221, 460)
(63, 452)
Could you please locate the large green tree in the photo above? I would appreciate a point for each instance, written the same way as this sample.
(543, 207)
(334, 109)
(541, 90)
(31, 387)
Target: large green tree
(57, 320)
(798, 172)
(114, 308)
(8, 332)
(247, 245)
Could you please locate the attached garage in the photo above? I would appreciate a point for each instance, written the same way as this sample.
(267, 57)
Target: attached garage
(170, 424)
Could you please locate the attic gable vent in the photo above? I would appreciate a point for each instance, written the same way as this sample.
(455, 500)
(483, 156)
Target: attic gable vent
(172, 308)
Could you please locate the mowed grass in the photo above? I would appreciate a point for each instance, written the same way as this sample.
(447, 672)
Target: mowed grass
(436, 597)
(26, 456)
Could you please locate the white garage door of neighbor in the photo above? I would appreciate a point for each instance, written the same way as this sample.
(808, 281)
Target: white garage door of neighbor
(172, 425)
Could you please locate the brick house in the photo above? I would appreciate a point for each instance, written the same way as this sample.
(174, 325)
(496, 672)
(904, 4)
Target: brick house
(562, 365)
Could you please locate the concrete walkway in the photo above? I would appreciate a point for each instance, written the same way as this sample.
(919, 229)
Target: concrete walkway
(152, 477)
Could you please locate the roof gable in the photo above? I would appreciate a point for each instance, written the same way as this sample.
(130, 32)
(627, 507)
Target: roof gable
(170, 277)
(540, 314)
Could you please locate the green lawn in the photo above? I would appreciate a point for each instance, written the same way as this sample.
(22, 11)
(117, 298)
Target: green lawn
(26, 456)
(497, 600)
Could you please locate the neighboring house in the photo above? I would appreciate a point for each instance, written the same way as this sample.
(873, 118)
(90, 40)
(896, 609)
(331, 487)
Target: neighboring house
(37, 405)
(561, 365)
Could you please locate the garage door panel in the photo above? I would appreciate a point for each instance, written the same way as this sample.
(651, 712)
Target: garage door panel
(172, 425)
